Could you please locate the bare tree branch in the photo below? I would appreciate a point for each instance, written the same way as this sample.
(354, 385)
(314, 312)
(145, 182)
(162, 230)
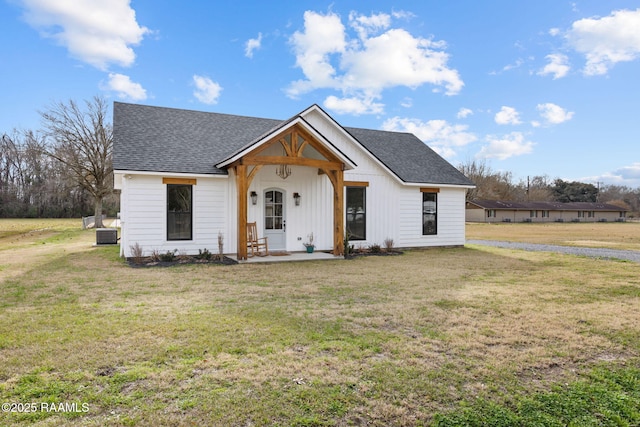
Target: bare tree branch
(83, 142)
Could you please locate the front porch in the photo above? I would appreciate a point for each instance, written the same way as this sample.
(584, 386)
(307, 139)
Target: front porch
(289, 257)
(298, 150)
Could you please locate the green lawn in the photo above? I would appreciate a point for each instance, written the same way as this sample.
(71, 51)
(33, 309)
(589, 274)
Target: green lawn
(464, 336)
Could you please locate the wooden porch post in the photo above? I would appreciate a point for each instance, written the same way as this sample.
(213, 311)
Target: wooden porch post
(338, 211)
(242, 188)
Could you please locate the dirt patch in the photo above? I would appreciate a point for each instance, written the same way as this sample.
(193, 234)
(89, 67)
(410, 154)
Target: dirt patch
(23, 252)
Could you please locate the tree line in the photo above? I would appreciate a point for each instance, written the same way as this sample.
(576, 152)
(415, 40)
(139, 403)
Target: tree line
(65, 170)
(494, 185)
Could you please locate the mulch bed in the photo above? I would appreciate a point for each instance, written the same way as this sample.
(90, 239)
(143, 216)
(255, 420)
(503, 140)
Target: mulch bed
(179, 260)
(194, 259)
(358, 254)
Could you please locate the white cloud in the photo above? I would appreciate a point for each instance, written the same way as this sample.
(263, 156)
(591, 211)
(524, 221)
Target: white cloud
(207, 91)
(324, 35)
(626, 175)
(365, 25)
(355, 106)
(557, 66)
(554, 31)
(507, 116)
(252, 44)
(463, 113)
(631, 172)
(396, 58)
(501, 148)
(606, 41)
(407, 102)
(554, 114)
(124, 87)
(440, 135)
(96, 32)
(363, 66)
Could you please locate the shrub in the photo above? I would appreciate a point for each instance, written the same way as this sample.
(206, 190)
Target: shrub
(375, 248)
(136, 253)
(347, 248)
(388, 244)
(204, 254)
(169, 256)
(155, 255)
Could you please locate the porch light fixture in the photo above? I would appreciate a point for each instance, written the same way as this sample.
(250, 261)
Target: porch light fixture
(283, 171)
(254, 197)
(297, 197)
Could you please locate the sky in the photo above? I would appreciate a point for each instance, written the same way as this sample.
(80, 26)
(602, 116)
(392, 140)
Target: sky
(534, 88)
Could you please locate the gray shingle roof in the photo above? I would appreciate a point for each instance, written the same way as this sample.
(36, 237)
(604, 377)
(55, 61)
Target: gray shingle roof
(408, 157)
(546, 206)
(159, 139)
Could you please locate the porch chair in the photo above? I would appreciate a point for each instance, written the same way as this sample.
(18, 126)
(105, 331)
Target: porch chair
(255, 243)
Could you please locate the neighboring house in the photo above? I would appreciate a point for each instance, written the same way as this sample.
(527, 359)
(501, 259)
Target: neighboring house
(187, 177)
(499, 211)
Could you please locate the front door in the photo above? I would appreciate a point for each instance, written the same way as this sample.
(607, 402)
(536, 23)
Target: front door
(275, 224)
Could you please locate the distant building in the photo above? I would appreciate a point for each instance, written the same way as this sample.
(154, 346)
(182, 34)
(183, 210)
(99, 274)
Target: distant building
(505, 211)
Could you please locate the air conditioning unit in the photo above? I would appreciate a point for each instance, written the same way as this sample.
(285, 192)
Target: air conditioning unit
(106, 236)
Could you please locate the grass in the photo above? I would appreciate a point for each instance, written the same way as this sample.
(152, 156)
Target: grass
(464, 336)
(606, 235)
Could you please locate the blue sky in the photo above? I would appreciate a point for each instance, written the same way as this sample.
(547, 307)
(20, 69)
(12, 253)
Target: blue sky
(545, 87)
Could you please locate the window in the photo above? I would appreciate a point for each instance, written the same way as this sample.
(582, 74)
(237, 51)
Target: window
(356, 213)
(429, 213)
(545, 214)
(179, 212)
(491, 213)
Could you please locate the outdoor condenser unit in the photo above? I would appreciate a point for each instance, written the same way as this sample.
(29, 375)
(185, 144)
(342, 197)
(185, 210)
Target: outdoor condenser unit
(106, 236)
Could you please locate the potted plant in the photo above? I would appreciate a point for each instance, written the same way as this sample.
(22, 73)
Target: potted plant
(309, 244)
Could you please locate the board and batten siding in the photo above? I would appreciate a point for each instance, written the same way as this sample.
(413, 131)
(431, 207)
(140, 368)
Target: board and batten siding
(451, 220)
(394, 209)
(144, 215)
(313, 215)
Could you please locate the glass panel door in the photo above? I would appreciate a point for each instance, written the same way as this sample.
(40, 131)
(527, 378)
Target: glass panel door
(274, 219)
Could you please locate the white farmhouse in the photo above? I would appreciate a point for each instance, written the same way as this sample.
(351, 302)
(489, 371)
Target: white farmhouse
(186, 176)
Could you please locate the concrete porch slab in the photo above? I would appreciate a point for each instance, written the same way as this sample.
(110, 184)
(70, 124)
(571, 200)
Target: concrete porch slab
(291, 256)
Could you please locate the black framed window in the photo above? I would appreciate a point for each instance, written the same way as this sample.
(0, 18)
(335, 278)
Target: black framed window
(179, 212)
(357, 213)
(429, 213)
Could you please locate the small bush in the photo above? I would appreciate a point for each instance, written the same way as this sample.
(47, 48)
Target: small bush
(388, 244)
(347, 248)
(204, 254)
(375, 248)
(136, 253)
(169, 256)
(155, 255)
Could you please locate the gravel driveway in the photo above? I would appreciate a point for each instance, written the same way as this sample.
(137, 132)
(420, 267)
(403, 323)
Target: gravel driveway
(633, 256)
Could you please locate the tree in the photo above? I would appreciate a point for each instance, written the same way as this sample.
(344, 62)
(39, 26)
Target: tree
(535, 189)
(83, 142)
(489, 184)
(564, 191)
